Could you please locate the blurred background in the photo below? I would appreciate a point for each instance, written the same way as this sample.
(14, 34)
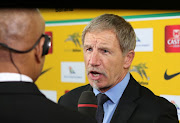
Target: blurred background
(157, 59)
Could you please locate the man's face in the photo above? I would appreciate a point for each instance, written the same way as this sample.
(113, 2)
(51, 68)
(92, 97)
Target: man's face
(104, 60)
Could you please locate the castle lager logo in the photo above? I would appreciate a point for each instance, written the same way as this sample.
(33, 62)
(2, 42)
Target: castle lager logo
(172, 38)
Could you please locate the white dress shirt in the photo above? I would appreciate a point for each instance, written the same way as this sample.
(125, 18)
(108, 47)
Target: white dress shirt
(14, 77)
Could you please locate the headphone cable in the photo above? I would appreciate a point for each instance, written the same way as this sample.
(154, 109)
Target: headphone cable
(11, 58)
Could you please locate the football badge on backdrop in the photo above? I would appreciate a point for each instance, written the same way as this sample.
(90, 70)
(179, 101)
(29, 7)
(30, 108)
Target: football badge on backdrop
(172, 38)
(144, 39)
(140, 69)
(73, 72)
(75, 40)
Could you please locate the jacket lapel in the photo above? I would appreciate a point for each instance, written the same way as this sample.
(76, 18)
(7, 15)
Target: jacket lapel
(89, 88)
(127, 105)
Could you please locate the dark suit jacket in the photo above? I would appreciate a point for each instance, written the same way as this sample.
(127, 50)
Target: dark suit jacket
(22, 102)
(137, 105)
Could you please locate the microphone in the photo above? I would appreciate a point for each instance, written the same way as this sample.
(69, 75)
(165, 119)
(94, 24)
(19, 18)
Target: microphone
(87, 104)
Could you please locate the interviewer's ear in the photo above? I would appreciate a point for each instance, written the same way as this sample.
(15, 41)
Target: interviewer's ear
(128, 59)
(39, 50)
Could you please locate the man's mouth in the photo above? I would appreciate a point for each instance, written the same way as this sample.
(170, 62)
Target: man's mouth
(95, 73)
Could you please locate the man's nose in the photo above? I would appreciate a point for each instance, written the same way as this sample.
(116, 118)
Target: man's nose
(94, 59)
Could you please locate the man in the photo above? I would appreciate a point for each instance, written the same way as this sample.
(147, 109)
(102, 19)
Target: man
(22, 45)
(108, 43)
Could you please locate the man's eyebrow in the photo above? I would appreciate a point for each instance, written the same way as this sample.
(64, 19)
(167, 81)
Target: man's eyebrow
(104, 45)
(86, 45)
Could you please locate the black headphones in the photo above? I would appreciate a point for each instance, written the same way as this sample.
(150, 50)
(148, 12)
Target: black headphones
(46, 46)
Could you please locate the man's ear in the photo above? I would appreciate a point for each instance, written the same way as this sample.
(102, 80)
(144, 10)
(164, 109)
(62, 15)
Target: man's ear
(128, 59)
(39, 50)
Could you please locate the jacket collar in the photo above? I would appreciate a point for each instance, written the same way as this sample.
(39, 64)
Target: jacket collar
(19, 88)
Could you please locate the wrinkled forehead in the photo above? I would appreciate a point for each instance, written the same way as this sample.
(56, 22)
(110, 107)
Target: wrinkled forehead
(104, 38)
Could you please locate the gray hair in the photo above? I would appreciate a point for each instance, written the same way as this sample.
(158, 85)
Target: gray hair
(123, 30)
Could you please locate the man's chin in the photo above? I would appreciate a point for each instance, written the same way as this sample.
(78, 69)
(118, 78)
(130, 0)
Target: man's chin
(99, 86)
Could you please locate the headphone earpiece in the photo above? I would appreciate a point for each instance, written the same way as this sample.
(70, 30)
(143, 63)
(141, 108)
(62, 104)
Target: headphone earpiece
(47, 45)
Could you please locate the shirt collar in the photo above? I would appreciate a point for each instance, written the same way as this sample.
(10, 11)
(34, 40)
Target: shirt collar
(4, 77)
(116, 92)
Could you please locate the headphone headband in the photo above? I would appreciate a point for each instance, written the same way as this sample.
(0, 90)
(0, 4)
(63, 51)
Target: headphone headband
(46, 45)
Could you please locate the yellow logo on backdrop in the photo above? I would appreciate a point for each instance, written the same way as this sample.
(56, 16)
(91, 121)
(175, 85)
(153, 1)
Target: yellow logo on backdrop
(140, 69)
(75, 39)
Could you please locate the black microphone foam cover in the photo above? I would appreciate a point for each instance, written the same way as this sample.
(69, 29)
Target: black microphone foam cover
(87, 103)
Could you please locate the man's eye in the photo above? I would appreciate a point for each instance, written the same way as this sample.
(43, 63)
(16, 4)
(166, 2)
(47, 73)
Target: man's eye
(105, 51)
(89, 49)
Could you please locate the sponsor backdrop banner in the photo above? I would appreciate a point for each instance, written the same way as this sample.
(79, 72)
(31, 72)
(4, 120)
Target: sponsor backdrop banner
(157, 59)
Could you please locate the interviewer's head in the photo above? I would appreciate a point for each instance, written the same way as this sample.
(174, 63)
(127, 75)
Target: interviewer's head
(109, 43)
(20, 29)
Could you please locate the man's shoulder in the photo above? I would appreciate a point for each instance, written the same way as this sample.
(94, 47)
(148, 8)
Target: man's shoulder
(71, 98)
(77, 91)
(146, 93)
(158, 102)
(81, 88)
(154, 106)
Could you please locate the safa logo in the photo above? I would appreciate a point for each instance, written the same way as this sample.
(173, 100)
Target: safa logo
(71, 70)
(144, 39)
(138, 39)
